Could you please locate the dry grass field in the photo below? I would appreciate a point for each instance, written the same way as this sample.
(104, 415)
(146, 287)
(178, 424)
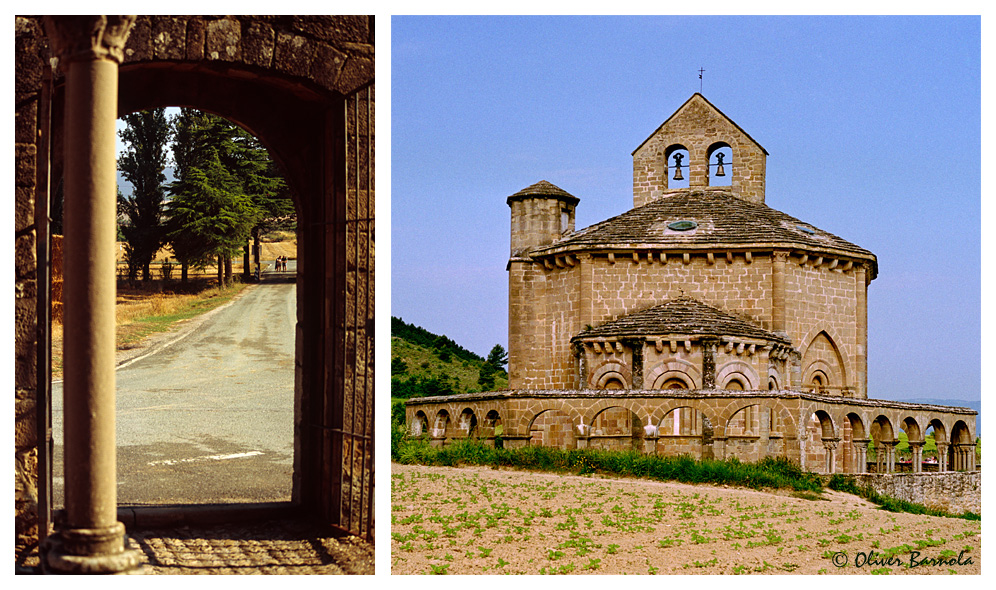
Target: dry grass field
(448, 520)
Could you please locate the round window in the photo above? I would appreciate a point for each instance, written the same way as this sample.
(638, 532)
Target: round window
(683, 225)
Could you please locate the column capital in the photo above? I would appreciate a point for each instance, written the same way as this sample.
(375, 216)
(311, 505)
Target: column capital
(916, 443)
(88, 37)
(830, 443)
(780, 255)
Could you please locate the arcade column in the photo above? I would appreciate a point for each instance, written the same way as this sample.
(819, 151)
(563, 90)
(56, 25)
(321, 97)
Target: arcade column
(88, 537)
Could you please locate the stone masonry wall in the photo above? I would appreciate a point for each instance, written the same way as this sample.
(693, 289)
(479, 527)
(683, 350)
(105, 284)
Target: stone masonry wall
(549, 306)
(952, 491)
(820, 299)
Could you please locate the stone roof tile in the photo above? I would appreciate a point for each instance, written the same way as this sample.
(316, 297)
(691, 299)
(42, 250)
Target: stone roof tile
(682, 316)
(721, 219)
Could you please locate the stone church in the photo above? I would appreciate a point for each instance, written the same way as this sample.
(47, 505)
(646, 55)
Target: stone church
(700, 321)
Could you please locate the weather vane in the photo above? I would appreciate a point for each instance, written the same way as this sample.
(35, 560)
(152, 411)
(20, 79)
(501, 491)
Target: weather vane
(700, 80)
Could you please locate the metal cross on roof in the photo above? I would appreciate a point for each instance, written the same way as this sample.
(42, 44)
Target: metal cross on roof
(700, 79)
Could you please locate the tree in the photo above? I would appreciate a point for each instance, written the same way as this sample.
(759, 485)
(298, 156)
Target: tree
(142, 164)
(492, 367)
(498, 357)
(210, 215)
(262, 183)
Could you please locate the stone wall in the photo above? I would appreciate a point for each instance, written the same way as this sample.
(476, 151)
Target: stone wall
(952, 491)
(550, 304)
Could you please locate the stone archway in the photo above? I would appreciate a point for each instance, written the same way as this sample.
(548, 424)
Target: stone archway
(304, 87)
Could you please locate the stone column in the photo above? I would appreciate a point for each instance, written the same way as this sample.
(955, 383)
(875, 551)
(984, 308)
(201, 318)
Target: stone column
(890, 455)
(917, 448)
(860, 455)
(830, 444)
(89, 538)
(942, 456)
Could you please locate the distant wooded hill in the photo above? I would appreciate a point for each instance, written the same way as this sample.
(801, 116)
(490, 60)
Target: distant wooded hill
(423, 363)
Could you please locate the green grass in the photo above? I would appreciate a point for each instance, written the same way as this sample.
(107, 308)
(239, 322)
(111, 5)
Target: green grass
(768, 473)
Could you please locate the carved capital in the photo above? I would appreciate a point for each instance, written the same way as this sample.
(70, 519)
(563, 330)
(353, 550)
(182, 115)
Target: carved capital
(780, 256)
(88, 37)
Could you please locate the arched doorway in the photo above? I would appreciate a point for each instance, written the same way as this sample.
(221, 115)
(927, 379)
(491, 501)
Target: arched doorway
(304, 87)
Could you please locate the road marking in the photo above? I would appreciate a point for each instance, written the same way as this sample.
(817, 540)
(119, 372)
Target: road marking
(206, 458)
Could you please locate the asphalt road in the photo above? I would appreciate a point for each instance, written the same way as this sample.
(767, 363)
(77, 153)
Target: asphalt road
(210, 417)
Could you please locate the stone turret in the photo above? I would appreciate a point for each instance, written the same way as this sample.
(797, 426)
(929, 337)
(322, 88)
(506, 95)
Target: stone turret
(541, 213)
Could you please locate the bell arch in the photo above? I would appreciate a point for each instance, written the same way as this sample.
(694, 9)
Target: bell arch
(961, 451)
(491, 420)
(720, 164)
(677, 166)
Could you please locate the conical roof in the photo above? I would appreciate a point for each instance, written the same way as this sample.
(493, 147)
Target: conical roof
(720, 220)
(543, 189)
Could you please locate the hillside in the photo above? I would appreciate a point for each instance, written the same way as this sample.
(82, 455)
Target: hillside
(423, 363)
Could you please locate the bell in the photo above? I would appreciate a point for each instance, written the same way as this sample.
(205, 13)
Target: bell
(677, 174)
(677, 167)
(719, 167)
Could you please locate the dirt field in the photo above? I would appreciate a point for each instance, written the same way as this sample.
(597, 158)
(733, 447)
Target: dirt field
(484, 521)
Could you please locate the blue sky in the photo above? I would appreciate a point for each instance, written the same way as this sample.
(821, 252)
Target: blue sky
(872, 125)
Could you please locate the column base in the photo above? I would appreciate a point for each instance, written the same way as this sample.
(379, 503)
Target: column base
(90, 551)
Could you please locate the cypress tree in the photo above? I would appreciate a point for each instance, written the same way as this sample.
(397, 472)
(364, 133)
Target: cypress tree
(142, 164)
